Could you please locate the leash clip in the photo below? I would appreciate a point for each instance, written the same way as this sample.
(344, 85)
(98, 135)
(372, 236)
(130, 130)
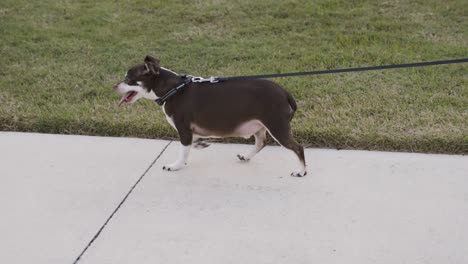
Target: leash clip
(212, 79)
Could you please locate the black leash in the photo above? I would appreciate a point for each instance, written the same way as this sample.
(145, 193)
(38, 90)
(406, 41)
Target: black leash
(372, 68)
(186, 79)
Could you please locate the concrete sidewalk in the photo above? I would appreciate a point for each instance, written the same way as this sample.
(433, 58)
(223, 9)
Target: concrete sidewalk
(353, 206)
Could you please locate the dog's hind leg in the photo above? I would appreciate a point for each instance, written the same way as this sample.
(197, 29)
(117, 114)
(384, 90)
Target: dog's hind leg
(260, 141)
(281, 133)
(199, 143)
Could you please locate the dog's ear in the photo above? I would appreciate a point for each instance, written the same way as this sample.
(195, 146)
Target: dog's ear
(152, 64)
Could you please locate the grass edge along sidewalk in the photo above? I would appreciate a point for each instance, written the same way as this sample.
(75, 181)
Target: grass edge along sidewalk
(333, 139)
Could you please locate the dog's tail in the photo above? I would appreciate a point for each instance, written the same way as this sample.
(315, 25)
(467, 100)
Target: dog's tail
(292, 103)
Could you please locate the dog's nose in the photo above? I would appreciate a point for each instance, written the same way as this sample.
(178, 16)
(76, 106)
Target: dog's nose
(116, 85)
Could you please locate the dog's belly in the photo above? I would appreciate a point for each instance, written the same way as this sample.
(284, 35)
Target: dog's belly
(245, 130)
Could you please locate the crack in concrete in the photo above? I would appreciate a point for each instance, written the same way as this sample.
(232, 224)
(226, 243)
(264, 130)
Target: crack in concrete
(120, 204)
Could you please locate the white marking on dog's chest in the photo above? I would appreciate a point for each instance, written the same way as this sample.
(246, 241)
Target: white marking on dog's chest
(168, 118)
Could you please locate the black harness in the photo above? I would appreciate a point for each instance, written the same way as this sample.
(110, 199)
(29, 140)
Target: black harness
(179, 87)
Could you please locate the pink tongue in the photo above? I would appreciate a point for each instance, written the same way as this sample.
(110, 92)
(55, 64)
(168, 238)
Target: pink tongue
(126, 98)
(122, 100)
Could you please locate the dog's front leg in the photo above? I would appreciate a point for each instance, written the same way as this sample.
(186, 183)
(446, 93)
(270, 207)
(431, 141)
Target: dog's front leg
(181, 160)
(186, 137)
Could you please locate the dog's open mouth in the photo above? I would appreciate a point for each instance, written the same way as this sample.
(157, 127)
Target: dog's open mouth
(127, 98)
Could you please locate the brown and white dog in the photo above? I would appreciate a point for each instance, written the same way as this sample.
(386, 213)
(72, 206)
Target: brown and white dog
(235, 108)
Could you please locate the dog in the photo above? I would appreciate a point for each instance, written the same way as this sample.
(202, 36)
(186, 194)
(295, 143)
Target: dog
(233, 108)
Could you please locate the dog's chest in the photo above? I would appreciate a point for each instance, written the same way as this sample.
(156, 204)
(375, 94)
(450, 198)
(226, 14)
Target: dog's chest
(169, 118)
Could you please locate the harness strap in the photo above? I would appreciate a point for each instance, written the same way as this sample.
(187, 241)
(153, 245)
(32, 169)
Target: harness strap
(180, 86)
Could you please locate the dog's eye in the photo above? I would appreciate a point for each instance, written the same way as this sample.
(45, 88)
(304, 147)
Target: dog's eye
(131, 82)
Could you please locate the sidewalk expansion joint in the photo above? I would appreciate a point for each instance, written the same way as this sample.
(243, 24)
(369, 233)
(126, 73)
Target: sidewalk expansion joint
(120, 204)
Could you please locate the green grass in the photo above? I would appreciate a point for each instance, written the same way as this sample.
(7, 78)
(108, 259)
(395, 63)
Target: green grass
(59, 60)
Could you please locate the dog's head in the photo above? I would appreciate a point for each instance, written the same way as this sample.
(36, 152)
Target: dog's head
(139, 81)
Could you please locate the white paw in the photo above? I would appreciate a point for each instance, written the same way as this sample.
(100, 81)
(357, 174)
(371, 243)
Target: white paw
(173, 167)
(242, 158)
(299, 174)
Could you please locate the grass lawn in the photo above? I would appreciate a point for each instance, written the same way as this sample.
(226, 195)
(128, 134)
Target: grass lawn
(60, 58)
